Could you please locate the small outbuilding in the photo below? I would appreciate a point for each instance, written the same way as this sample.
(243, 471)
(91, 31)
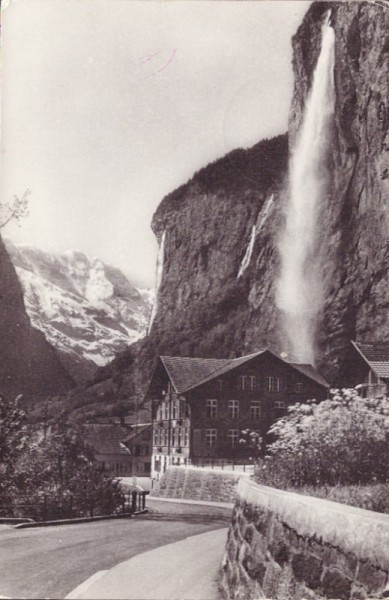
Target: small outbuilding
(367, 367)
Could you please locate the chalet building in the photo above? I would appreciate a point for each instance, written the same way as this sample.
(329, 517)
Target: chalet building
(138, 443)
(366, 366)
(200, 406)
(122, 450)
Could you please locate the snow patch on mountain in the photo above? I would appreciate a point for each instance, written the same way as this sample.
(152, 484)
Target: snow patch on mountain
(85, 308)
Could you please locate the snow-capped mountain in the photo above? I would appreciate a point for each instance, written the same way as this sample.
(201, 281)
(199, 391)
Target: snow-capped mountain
(88, 310)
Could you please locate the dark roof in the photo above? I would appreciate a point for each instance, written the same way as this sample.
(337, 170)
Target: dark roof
(376, 354)
(310, 371)
(187, 373)
(136, 430)
(106, 438)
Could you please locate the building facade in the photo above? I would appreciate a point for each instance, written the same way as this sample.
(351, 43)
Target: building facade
(366, 367)
(123, 450)
(201, 406)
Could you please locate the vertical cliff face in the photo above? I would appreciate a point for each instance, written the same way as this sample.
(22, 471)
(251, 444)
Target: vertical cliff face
(28, 364)
(217, 287)
(355, 216)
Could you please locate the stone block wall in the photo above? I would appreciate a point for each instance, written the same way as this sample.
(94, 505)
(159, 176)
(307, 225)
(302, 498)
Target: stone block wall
(284, 546)
(198, 484)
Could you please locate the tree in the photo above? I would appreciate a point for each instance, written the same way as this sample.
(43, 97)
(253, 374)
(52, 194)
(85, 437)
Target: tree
(15, 210)
(343, 440)
(14, 437)
(252, 442)
(60, 479)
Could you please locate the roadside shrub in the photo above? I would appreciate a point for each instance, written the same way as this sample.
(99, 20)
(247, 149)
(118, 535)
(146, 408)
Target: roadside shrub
(341, 441)
(57, 478)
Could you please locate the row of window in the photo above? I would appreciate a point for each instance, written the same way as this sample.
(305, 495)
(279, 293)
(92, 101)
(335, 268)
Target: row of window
(233, 437)
(212, 409)
(245, 383)
(179, 436)
(178, 409)
(117, 467)
(271, 384)
(233, 408)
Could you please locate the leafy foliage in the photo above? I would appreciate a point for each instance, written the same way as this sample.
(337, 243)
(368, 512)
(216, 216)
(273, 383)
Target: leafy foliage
(341, 441)
(50, 476)
(13, 442)
(60, 479)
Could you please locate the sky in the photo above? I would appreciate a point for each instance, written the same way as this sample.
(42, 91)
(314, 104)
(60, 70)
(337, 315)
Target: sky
(109, 105)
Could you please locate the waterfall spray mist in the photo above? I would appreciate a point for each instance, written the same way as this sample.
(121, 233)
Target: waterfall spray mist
(300, 287)
(158, 278)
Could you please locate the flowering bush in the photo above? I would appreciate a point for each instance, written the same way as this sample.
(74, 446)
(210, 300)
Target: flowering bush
(343, 440)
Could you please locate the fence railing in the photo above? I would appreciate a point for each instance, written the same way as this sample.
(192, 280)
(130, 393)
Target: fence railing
(222, 464)
(133, 502)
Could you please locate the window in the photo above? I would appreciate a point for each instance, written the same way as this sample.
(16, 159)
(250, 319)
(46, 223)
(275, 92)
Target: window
(186, 436)
(179, 437)
(255, 409)
(165, 437)
(166, 410)
(274, 384)
(243, 382)
(174, 410)
(298, 387)
(210, 438)
(247, 382)
(212, 409)
(174, 436)
(156, 437)
(233, 409)
(220, 384)
(233, 437)
(279, 404)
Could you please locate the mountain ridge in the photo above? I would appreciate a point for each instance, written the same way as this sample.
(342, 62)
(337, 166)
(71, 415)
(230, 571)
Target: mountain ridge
(88, 310)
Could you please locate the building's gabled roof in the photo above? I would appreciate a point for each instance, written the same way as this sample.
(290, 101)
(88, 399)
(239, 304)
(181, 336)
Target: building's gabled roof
(376, 354)
(187, 373)
(136, 429)
(310, 371)
(106, 439)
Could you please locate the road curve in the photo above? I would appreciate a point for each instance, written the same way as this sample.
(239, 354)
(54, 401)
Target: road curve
(49, 562)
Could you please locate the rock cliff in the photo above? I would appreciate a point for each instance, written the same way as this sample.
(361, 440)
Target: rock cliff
(28, 364)
(355, 219)
(217, 291)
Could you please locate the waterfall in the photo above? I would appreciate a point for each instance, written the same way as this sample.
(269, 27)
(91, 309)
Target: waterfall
(265, 212)
(254, 232)
(300, 286)
(158, 279)
(247, 257)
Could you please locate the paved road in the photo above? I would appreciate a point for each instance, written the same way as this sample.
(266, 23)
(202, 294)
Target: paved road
(50, 562)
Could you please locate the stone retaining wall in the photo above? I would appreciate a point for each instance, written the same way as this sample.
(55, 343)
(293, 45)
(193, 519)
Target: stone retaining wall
(285, 546)
(198, 484)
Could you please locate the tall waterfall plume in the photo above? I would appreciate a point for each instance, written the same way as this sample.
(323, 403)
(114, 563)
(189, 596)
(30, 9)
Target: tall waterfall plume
(300, 286)
(158, 279)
